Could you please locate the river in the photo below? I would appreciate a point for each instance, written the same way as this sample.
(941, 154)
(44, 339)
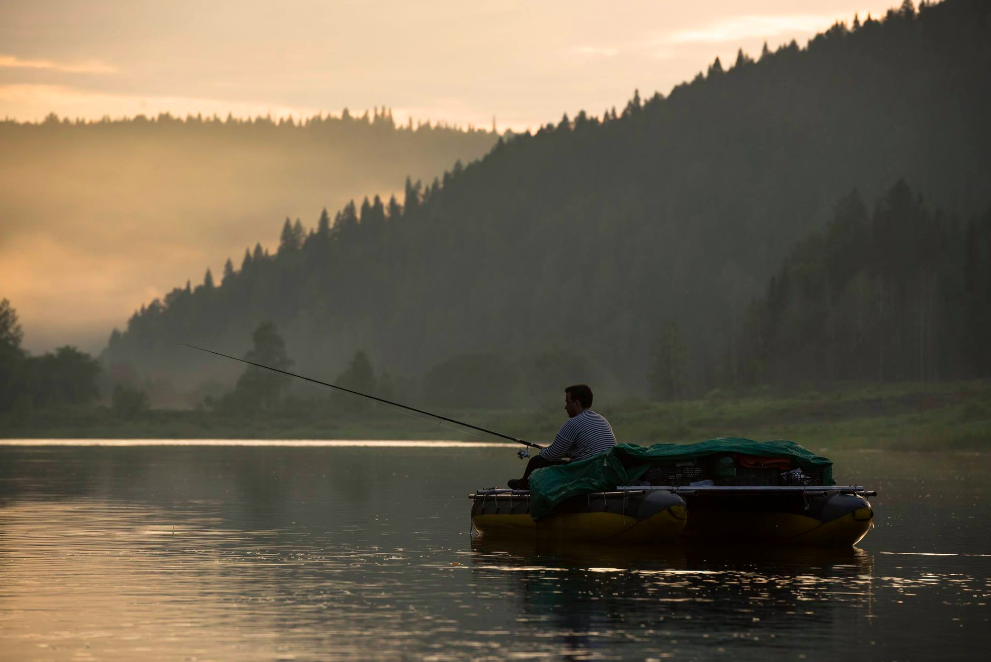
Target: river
(355, 550)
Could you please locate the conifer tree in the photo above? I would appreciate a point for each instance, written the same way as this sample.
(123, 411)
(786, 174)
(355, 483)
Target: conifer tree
(394, 209)
(633, 106)
(228, 272)
(411, 201)
(11, 333)
(298, 234)
(323, 225)
(374, 216)
(292, 236)
(345, 221)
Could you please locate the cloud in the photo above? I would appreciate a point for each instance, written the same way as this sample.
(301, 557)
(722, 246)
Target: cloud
(744, 27)
(84, 67)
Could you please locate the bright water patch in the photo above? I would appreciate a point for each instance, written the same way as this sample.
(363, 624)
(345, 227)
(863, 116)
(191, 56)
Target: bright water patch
(262, 443)
(347, 551)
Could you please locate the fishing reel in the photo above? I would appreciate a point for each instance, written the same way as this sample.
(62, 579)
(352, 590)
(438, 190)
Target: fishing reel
(523, 453)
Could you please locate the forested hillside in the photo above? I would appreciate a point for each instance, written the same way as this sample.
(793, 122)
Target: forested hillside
(898, 293)
(99, 217)
(578, 246)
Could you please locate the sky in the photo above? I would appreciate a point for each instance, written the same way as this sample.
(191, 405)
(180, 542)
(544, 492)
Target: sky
(518, 64)
(522, 63)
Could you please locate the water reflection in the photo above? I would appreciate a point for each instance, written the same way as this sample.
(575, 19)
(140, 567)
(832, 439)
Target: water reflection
(689, 598)
(342, 552)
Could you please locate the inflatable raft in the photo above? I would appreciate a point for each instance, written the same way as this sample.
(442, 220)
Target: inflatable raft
(727, 490)
(628, 516)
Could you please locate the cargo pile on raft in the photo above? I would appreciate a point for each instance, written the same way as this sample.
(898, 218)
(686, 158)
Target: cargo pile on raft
(727, 489)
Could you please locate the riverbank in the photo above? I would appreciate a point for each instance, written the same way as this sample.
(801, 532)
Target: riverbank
(947, 416)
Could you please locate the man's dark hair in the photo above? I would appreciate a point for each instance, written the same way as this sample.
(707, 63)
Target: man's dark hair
(582, 393)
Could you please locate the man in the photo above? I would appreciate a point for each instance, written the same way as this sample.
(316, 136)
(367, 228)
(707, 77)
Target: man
(585, 435)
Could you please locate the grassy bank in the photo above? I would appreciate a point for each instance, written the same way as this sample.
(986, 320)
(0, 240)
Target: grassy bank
(903, 416)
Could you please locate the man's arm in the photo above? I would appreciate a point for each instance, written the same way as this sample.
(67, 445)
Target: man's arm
(563, 443)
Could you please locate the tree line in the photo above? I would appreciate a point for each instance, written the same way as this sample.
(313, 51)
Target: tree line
(378, 119)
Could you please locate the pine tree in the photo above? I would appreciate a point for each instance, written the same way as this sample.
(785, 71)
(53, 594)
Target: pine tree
(411, 201)
(345, 221)
(365, 213)
(323, 225)
(374, 216)
(298, 234)
(11, 333)
(633, 106)
(292, 236)
(228, 272)
(394, 209)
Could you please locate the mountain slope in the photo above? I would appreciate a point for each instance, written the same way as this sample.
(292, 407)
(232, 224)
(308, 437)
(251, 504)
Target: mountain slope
(587, 236)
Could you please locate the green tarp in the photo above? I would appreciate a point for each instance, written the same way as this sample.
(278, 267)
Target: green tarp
(626, 463)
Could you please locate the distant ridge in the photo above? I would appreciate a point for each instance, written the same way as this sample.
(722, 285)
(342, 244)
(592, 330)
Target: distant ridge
(382, 117)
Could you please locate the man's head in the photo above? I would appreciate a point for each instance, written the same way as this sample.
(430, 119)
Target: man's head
(577, 399)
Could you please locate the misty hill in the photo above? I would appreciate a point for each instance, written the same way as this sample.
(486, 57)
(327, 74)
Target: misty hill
(576, 245)
(100, 217)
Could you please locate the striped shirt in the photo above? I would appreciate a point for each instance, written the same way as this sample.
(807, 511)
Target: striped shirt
(582, 436)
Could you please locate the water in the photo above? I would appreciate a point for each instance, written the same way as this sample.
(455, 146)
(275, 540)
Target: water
(338, 551)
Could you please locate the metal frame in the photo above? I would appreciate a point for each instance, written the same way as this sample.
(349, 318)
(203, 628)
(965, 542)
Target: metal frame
(722, 490)
(814, 490)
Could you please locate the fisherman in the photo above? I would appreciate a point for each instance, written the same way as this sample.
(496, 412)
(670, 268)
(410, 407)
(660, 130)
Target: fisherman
(584, 435)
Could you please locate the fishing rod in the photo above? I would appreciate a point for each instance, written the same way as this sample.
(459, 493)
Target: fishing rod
(528, 444)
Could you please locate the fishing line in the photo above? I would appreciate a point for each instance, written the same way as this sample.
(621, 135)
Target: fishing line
(427, 420)
(529, 444)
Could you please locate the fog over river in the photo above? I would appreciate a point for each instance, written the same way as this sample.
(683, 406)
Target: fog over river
(351, 550)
